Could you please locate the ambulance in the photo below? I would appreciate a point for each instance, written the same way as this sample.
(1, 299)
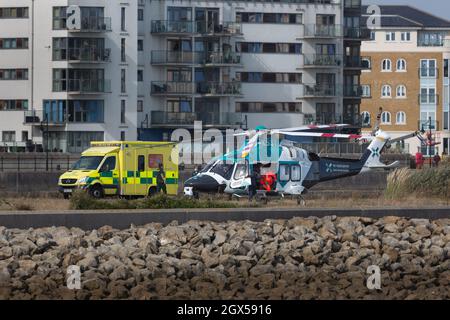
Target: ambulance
(122, 168)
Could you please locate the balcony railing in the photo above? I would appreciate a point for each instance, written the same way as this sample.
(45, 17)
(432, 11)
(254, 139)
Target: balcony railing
(319, 90)
(197, 27)
(201, 88)
(163, 118)
(221, 58)
(357, 62)
(323, 60)
(169, 88)
(94, 24)
(82, 86)
(93, 55)
(190, 57)
(354, 91)
(175, 57)
(357, 33)
(219, 88)
(323, 31)
(31, 117)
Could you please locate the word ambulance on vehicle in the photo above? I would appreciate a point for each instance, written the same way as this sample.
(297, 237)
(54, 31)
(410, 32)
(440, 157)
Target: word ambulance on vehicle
(122, 168)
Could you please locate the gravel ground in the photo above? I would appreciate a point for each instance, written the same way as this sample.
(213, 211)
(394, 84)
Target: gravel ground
(297, 259)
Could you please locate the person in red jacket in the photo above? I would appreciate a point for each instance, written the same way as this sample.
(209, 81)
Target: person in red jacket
(268, 180)
(419, 160)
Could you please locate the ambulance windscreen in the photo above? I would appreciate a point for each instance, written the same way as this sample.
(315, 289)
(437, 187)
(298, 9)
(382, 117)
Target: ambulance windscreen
(87, 163)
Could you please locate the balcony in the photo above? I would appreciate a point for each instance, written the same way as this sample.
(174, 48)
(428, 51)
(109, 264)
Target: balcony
(322, 31)
(94, 24)
(357, 33)
(353, 91)
(319, 91)
(88, 55)
(322, 60)
(183, 119)
(165, 27)
(209, 89)
(357, 62)
(221, 59)
(177, 58)
(227, 28)
(219, 89)
(160, 88)
(82, 86)
(37, 118)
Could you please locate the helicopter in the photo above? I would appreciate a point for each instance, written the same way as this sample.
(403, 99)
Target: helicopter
(292, 170)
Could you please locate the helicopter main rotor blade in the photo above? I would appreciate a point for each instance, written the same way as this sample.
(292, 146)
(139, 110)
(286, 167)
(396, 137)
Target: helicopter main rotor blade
(321, 135)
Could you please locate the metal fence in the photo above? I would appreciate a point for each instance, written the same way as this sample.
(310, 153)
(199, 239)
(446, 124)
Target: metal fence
(29, 162)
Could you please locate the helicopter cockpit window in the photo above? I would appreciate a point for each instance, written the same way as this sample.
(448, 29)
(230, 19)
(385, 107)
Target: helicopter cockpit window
(223, 169)
(241, 171)
(208, 166)
(285, 172)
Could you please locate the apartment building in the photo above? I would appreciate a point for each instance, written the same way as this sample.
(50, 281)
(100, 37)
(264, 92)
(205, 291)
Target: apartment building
(67, 73)
(72, 71)
(408, 78)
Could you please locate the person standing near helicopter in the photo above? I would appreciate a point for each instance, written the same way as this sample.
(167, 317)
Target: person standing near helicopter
(254, 176)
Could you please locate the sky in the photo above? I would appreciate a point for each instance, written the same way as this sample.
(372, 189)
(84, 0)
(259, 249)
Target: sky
(441, 8)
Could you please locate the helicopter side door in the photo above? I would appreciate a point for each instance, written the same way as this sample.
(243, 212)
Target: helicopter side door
(240, 178)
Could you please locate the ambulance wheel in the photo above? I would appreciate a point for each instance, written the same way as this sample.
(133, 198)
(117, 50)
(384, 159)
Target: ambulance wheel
(152, 192)
(96, 191)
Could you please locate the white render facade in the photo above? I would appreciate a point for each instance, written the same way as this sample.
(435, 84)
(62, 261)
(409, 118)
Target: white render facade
(139, 69)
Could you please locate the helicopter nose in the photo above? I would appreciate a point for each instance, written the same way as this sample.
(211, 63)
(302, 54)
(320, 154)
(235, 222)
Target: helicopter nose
(202, 183)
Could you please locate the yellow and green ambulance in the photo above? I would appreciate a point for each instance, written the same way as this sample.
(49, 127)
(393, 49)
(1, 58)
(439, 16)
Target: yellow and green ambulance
(122, 168)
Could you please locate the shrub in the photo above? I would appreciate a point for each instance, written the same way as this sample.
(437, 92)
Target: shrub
(82, 201)
(428, 182)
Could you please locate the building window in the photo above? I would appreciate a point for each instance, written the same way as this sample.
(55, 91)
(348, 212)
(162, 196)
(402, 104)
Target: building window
(24, 136)
(366, 63)
(123, 56)
(445, 68)
(428, 96)
(269, 77)
(400, 118)
(386, 91)
(372, 35)
(140, 106)
(430, 38)
(122, 111)
(386, 65)
(14, 13)
(406, 36)
(401, 91)
(366, 91)
(122, 136)
(140, 14)
(123, 87)
(140, 75)
(14, 43)
(260, 47)
(428, 68)
(390, 36)
(122, 19)
(8, 136)
(78, 141)
(13, 74)
(401, 65)
(365, 118)
(13, 105)
(140, 45)
(386, 117)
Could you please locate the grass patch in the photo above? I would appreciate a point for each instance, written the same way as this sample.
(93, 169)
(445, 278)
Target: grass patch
(82, 201)
(425, 183)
